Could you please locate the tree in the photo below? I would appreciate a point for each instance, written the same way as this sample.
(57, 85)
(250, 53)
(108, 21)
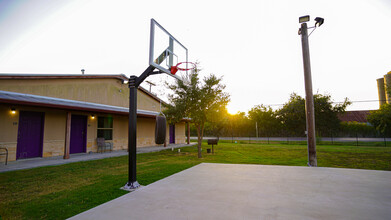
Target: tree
(218, 120)
(239, 125)
(357, 129)
(326, 114)
(381, 119)
(266, 119)
(196, 100)
(292, 114)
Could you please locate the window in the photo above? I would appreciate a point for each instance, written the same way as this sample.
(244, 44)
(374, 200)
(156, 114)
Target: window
(105, 128)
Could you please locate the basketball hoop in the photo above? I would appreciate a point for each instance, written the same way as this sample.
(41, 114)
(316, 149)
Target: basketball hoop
(182, 66)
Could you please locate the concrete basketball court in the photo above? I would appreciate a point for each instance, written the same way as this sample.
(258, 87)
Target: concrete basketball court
(241, 191)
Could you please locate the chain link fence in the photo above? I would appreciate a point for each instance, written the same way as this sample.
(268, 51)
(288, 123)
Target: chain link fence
(357, 141)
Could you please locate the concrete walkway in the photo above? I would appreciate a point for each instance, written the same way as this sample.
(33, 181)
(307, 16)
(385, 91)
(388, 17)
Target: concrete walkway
(51, 161)
(229, 191)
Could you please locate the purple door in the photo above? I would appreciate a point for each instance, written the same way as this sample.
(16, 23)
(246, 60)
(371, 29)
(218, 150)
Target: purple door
(78, 134)
(30, 135)
(172, 134)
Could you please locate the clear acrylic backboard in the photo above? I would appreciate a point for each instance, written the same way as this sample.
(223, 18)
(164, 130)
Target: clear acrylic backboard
(164, 50)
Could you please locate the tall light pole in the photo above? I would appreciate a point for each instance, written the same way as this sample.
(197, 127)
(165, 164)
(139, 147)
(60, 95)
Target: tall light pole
(309, 98)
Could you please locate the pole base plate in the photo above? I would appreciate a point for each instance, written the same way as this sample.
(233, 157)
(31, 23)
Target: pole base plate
(131, 186)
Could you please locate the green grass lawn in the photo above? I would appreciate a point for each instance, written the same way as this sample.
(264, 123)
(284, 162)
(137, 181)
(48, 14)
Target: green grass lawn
(59, 192)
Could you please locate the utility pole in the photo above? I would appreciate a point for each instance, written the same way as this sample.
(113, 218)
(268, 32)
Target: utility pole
(150, 85)
(309, 99)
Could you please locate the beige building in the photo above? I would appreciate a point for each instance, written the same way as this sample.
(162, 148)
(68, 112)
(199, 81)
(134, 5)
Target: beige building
(42, 115)
(384, 84)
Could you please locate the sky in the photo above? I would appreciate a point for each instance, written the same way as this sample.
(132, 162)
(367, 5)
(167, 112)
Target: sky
(252, 44)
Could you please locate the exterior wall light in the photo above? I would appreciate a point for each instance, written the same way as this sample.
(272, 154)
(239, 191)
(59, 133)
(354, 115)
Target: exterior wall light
(13, 111)
(319, 21)
(92, 116)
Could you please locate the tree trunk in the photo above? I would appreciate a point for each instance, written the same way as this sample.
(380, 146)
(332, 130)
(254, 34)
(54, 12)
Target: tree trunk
(199, 140)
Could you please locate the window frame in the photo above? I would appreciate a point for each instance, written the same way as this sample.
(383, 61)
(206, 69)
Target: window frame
(105, 128)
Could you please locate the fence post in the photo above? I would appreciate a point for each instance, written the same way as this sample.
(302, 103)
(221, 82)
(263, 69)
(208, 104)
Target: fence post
(332, 139)
(385, 141)
(356, 139)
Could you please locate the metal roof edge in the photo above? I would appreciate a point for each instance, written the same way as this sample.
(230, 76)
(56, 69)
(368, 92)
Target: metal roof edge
(62, 76)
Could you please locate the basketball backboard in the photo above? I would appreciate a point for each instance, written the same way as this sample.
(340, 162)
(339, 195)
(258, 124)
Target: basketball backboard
(164, 50)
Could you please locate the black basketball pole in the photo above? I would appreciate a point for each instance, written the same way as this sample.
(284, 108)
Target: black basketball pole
(132, 138)
(134, 83)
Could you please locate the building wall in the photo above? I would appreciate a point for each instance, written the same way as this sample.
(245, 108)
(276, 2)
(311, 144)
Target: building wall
(102, 91)
(146, 132)
(180, 132)
(53, 133)
(146, 102)
(55, 129)
(8, 131)
(120, 133)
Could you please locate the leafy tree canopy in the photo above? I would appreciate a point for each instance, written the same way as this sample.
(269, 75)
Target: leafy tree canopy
(239, 125)
(292, 114)
(200, 101)
(266, 119)
(381, 119)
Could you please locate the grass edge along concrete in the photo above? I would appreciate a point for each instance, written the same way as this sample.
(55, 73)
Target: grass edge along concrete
(66, 190)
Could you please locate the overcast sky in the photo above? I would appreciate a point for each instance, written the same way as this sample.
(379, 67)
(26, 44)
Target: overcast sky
(253, 45)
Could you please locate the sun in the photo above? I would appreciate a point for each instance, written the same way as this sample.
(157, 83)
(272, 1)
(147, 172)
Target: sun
(231, 110)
